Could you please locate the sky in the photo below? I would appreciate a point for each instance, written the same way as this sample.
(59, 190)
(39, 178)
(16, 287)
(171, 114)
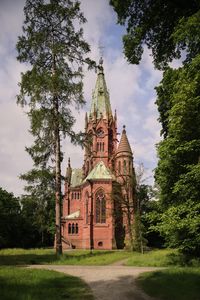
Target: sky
(131, 89)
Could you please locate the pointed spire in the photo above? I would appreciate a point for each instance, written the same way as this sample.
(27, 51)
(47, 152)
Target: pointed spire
(100, 98)
(124, 145)
(68, 172)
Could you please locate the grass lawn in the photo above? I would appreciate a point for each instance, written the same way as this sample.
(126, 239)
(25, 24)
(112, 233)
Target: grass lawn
(155, 258)
(172, 284)
(25, 284)
(47, 256)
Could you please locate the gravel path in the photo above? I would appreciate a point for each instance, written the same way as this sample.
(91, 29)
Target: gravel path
(107, 282)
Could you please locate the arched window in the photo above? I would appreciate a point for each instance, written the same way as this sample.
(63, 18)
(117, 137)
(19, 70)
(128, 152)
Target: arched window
(129, 167)
(125, 167)
(76, 228)
(97, 147)
(86, 207)
(73, 228)
(69, 228)
(119, 167)
(102, 146)
(100, 202)
(72, 195)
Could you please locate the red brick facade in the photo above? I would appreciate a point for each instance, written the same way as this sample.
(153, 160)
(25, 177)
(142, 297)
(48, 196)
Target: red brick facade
(92, 213)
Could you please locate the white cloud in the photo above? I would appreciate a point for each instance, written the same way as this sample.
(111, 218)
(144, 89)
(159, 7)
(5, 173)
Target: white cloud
(131, 92)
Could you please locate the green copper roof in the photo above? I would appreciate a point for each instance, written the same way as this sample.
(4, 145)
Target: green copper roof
(100, 171)
(77, 177)
(100, 97)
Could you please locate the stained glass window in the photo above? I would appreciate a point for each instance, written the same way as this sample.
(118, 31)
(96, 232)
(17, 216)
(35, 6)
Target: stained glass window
(100, 205)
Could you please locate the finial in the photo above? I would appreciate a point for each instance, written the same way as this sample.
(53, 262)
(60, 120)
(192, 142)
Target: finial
(124, 126)
(101, 61)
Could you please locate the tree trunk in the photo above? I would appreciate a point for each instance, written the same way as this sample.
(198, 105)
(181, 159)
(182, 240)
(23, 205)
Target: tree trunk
(58, 194)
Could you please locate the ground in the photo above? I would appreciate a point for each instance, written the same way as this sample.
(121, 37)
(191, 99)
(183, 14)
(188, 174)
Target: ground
(113, 282)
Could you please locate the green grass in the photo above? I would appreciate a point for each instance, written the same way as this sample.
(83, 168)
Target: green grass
(155, 258)
(47, 256)
(161, 258)
(172, 283)
(25, 284)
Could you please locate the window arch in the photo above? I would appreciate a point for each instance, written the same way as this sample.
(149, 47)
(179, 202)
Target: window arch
(86, 207)
(119, 167)
(124, 167)
(73, 228)
(100, 212)
(76, 228)
(69, 228)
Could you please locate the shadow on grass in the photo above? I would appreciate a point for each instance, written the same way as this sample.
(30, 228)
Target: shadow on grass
(32, 259)
(41, 284)
(176, 283)
(179, 259)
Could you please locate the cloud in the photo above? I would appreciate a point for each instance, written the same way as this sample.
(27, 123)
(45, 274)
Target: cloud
(131, 92)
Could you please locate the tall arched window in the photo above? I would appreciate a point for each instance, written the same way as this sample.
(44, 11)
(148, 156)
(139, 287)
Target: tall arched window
(100, 206)
(119, 167)
(86, 207)
(125, 167)
(69, 228)
(76, 228)
(73, 228)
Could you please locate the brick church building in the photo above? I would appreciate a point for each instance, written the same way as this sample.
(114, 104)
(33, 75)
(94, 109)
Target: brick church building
(99, 197)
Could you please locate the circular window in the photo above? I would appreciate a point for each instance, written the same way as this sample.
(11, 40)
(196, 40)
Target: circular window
(100, 132)
(100, 244)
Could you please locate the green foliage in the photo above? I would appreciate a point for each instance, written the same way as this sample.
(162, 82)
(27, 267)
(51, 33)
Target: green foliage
(19, 283)
(163, 26)
(179, 152)
(52, 45)
(10, 220)
(170, 28)
(173, 283)
(139, 242)
(38, 206)
(180, 225)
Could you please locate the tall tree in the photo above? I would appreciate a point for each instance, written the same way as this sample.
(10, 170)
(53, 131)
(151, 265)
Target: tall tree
(168, 28)
(154, 22)
(53, 46)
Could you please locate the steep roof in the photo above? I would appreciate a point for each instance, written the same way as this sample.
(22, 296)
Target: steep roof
(73, 215)
(76, 177)
(100, 171)
(100, 98)
(124, 145)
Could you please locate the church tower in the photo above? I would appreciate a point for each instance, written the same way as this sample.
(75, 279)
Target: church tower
(94, 214)
(100, 127)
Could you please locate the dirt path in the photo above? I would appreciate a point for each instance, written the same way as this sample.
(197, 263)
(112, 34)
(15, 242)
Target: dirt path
(107, 282)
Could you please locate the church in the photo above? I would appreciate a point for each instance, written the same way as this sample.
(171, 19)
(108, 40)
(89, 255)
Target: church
(98, 203)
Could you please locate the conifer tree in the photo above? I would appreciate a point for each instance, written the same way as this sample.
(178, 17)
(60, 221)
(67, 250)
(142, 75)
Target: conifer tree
(52, 45)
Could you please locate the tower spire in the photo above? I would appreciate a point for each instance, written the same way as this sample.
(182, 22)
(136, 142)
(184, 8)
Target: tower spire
(100, 105)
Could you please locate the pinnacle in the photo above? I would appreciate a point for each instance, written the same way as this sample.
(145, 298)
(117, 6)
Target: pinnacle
(124, 145)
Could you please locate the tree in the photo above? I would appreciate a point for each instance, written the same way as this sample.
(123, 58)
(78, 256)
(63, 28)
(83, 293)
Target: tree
(10, 220)
(157, 24)
(168, 28)
(53, 46)
(38, 204)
